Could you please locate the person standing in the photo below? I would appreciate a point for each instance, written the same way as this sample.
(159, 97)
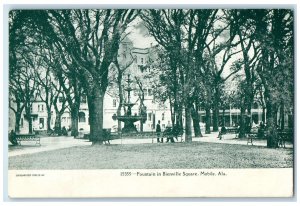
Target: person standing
(158, 131)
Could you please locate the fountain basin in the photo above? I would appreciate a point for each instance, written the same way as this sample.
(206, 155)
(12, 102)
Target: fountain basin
(130, 118)
(128, 122)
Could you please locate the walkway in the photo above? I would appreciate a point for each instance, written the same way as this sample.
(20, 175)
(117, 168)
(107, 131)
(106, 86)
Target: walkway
(230, 139)
(47, 144)
(54, 143)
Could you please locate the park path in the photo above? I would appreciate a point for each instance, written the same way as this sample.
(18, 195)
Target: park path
(231, 139)
(47, 144)
(54, 143)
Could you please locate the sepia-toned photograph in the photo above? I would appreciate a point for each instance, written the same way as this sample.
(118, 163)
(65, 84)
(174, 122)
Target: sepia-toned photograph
(151, 93)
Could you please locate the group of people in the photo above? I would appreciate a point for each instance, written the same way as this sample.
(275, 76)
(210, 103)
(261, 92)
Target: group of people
(170, 132)
(256, 128)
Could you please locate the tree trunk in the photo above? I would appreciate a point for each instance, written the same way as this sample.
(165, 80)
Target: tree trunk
(272, 137)
(216, 118)
(120, 75)
(141, 126)
(188, 125)
(197, 128)
(48, 119)
(57, 125)
(264, 114)
(196, 122)
(282, 116)
(119, 114)
(207, 120)
(216, 109)
(172, 110)
(223, 116)
(29, 119)
(17, 123)
(242, 125)
(179, 117)
(95, 102)
(30, 125)
(142, 112)
(176, 114)
(74, 121)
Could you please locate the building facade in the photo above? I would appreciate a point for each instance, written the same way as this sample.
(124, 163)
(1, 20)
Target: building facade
(138, 60)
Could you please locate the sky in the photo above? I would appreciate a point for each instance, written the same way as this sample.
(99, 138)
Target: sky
(139, 35)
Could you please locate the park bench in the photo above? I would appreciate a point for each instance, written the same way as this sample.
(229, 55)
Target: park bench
(250, 136)
(137, 135)
(27, 137)
(234, 130)
(106, 136)
(283, 137)
(170, 133)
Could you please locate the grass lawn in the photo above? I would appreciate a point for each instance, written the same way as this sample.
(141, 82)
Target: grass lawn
(157, 156)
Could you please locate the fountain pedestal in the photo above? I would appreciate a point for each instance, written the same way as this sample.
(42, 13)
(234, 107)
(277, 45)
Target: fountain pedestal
(128, 119)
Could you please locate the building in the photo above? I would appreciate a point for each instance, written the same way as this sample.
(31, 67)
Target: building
(138, 59)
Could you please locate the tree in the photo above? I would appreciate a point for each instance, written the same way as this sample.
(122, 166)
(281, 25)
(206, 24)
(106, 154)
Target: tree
(59, 84)
(46, 91)
(23, 84)
(167, 86)
(183, 34)
(24, 87)
(121, 64)
(166, 27)
(21, 81)
(91, 38)
(59, 110)
(70, 88)
(274, 36)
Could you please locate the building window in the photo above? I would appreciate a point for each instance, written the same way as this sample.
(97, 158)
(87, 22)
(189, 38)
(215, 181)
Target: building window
(150, 92)
(149, 116)
(163, 116)
(142, 60)
(81, 117)
(63, 119)
(40, 107)
(114, 102)
(41, 125)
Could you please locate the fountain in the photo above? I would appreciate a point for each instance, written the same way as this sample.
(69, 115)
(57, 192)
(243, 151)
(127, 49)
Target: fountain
(128, 118)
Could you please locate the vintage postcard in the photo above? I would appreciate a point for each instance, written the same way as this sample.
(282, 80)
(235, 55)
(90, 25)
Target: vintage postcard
(151, 103)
